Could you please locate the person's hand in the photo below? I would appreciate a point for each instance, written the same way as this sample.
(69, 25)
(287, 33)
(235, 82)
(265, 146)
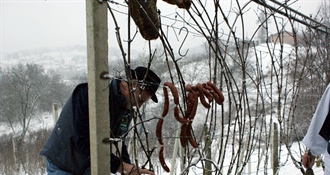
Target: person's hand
(134, 170)
(308, 160)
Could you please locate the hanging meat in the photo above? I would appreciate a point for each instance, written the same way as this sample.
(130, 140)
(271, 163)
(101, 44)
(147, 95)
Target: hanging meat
(145, 16)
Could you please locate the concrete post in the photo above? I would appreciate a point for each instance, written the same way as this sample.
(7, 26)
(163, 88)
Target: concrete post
(97, 53)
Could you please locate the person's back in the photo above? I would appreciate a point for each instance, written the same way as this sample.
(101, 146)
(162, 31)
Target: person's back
(318, 134)
(61, 148)
(67, 150)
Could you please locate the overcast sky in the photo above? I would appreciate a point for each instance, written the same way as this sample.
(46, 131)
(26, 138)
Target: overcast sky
(33, 24)
(28, 24)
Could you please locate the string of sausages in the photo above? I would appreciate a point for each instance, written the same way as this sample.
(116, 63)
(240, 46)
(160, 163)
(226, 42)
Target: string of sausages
(206, 93)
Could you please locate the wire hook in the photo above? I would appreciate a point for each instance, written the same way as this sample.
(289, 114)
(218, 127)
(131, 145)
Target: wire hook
(183, 41)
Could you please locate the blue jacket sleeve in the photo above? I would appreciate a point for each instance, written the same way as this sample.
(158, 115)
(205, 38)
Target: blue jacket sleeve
(116, 161)
(125, 155)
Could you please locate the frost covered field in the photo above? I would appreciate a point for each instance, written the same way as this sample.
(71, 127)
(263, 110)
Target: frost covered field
(287, 167)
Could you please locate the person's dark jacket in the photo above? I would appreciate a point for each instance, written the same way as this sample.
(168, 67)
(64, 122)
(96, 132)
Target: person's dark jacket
(68, 144)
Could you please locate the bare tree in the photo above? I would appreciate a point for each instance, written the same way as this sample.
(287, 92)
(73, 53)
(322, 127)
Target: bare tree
(23, 89)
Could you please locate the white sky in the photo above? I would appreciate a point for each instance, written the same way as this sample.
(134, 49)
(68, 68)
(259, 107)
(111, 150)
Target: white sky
(34, 24)
(28, 24)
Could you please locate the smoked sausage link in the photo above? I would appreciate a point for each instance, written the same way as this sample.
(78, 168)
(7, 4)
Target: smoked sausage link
(162, 159)
(166, 102)
(159, 127)
(174, 92)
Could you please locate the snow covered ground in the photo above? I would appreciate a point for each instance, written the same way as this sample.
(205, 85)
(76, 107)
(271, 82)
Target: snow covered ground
(47, 121)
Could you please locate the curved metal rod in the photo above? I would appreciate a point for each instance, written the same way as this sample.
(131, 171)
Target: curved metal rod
(183, 42)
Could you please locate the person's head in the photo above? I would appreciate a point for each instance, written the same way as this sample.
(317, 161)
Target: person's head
(144, 85)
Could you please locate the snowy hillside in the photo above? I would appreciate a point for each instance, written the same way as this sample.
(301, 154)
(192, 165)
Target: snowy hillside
(72, 61)
(68, 62)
